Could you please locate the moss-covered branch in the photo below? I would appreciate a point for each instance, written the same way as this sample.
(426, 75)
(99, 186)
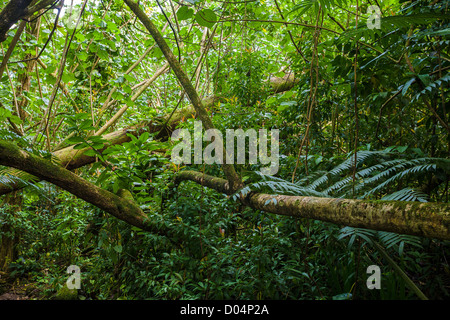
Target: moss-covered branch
(122, 207)
(206, 180)
(429, 219)
(71, 158)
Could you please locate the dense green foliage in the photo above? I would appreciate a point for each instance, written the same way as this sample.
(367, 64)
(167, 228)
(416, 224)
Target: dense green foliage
(367, 119)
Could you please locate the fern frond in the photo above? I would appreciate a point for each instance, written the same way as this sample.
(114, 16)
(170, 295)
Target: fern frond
(390, 239)
(380, 166)
(360, 175)
(419, 169)
(432, 86)
(338, 186)
(390, 168)
(407, 194)
(286, 188)
(306, 5)
(391, 24)
(11, 177)
(313, 176)
(354, 233)
(375, 173)
(344, 167)
(277, 185)
(405, 21)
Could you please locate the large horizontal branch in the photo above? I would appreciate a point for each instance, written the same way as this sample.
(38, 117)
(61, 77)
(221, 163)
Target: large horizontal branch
(430, 219)
(285, 83)
(120, 206)
(206, 180)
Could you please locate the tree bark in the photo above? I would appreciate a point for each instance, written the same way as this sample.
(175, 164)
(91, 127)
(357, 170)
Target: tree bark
(11, 13)
(430, 219)
(19, 9)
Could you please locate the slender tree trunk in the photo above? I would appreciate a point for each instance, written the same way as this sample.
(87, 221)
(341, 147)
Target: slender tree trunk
(8, 238)
(228, 169)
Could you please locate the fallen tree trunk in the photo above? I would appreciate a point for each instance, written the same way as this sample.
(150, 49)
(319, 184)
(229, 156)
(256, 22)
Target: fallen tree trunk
(431, 220)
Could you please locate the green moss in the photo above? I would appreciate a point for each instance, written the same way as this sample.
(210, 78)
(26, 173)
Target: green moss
(66, 294)
(123, 193)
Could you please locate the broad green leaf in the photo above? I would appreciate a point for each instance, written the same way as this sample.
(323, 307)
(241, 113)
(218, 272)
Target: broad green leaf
(81, 146)
(15, 119)
(425, 78)
(406, 86)
(184, 13)
(206, 18)
(286, 105)
(67, 77)
(75, 139)
(402, 149)
(90, 153)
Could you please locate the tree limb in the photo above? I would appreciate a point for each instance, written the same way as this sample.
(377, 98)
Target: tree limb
(16, 10)
(429, 219)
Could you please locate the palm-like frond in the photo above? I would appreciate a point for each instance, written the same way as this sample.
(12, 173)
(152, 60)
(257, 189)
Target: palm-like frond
(355, 233)
(405, 21)
(390, 239)
(390, 24)
(407, 194)
(313, 176)
(277, 185)
(418, 169)
(11, 177)
(344, 167)
(306, 5)
(378, 171)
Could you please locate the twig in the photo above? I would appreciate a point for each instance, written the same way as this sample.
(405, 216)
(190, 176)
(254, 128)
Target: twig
(173, 30)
